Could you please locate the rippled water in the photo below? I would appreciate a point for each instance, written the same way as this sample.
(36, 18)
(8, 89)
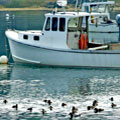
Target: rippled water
(28, 86)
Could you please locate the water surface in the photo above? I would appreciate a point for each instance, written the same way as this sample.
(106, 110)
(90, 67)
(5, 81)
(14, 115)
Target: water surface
(28, 86)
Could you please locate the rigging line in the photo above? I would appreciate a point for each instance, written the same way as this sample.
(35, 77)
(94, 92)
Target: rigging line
(8, 53)
(76, 5)
(6, 50)
(80, 5)
(9, 56)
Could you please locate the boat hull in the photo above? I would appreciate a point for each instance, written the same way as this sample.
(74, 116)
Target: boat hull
(68, 58)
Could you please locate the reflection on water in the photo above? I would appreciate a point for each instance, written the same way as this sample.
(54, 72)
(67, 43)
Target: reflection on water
(5, 72)
(28, 86)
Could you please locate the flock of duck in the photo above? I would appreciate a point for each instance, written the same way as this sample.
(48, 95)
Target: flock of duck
(74, 110)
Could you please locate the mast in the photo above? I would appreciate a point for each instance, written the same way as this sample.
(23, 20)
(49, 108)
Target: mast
(76, 5)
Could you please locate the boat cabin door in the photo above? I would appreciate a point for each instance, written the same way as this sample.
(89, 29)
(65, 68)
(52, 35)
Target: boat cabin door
(76, 28)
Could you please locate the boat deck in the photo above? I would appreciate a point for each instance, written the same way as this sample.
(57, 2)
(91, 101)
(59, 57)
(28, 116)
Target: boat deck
(110, 46)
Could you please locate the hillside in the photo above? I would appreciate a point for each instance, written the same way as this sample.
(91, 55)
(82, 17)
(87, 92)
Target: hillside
(27, 3)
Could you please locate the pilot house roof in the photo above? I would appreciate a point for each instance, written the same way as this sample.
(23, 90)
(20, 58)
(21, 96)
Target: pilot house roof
(73, 14)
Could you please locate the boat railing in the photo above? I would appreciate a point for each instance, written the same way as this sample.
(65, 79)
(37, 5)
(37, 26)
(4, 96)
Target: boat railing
(109, 46)
(91, 1)
(99, 48)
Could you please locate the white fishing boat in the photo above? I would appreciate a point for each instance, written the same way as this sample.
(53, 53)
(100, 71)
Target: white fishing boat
(103, 24)
(64, 42)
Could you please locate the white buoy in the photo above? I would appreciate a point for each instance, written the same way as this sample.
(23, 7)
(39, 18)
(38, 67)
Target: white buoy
(3, 59)
(7, 16)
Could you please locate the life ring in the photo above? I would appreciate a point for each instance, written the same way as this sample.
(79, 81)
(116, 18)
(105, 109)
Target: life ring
(81, 41)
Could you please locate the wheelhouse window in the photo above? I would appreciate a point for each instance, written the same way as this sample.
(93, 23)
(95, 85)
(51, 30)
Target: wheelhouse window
(77, 24)
(54, 24)
(101, 8)
(36, 38)
(25, 37)
(98, 8)
(73, 24)
(62, 24)
(87, 9)
(47, 27)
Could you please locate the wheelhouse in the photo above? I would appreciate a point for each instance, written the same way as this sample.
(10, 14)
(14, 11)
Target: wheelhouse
(65, 28)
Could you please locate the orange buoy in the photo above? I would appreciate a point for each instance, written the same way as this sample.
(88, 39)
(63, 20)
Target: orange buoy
(92, 19)
(83, 41)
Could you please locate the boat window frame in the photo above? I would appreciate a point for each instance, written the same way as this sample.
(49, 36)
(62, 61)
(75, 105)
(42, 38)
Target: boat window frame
(62, 26)
(80, 27)
(86, 8)
(74, 29)
(36, 38)
(48, 24)
(54, 24)
(100, 8)
(25, 37)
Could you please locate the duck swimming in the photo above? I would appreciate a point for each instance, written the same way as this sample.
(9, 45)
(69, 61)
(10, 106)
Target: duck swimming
(43, 111)
(96, 110)
(63, 104)
(100, 109)
(5, 101)
(45, 101)
(30, 109)
(95, 103)
(74, 110)
(15, 106)
(113, 105)
(71, 115)
(90, 107)
(49, 102)
(112, 99)
(51, 108)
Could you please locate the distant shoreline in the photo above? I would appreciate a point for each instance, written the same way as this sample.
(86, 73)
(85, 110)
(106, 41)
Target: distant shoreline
(24, 9)
(117, 9)
(32, 9)
(40, 8)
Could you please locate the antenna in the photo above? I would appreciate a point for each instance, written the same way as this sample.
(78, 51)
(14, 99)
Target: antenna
(76, 5)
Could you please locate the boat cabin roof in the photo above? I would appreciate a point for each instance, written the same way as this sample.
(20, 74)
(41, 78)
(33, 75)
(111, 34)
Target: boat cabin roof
(99, 3)
(73, 14)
